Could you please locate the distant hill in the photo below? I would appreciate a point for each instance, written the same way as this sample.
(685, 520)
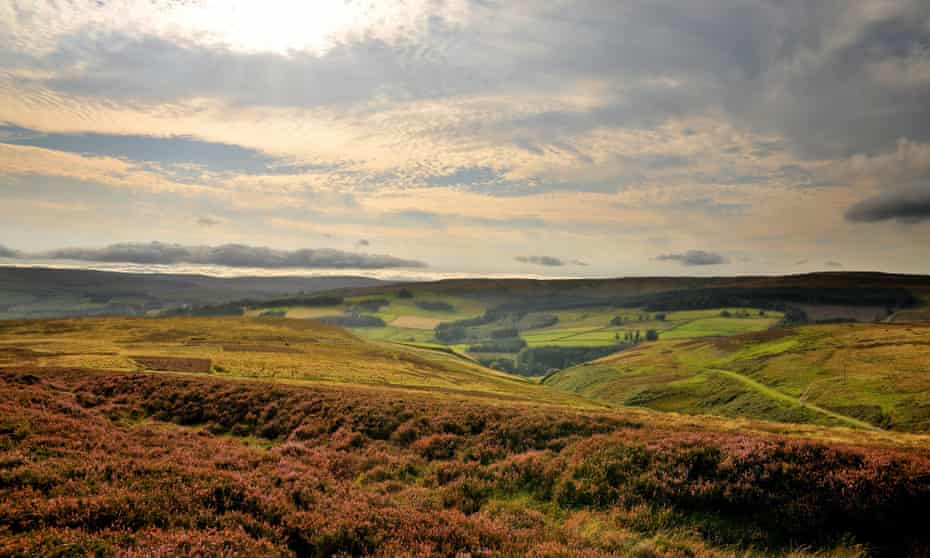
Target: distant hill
(509, 289)
(531, 327)
(45, 292)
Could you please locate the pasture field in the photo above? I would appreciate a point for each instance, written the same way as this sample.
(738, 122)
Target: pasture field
(876, 374)
(407, 321)
(591, 328)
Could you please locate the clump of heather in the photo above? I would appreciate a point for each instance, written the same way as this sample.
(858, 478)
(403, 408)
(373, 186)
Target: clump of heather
(116, 464)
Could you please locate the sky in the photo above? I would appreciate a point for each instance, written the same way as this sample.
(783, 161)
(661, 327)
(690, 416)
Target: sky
(437, 138)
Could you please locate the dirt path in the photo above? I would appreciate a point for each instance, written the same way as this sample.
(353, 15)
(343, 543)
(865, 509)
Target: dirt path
(775, 394)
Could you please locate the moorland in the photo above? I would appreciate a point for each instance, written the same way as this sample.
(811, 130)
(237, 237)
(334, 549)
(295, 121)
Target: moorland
(731, 417)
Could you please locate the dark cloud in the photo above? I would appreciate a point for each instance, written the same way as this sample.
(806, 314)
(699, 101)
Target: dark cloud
(907, 207)
(8, 253)
(694, 258)
(548, 261)
(231, 255)
(363, 242)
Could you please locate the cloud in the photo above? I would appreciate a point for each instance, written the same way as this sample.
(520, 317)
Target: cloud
(8, 253)
(207, 222)
(363, 242)
(694, 258)
(548, 261)
(907, 207)
(231, 255)
(705, 205)
(832, 264)
(466, 176)
(148, 68)
(821, 74)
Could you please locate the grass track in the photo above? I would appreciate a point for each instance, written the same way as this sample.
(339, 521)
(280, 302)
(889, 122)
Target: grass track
(775, 394)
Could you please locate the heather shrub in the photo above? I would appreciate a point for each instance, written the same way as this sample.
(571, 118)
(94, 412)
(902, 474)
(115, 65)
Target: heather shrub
(114, 464)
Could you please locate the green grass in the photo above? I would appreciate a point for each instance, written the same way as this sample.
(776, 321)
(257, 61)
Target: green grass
(711, 327)
(860, 375)
(590, 328)
(586, 327)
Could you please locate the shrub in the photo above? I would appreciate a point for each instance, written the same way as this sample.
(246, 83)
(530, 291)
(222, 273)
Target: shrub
(511, 345)
(435, 306)
(358, 471)
(353, 321)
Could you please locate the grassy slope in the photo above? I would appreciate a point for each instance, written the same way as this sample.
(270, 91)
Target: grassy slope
(825, 374)
(270, 349)
(590, 327)
(587, 327)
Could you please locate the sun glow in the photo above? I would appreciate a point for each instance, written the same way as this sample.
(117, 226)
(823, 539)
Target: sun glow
(254, 26)
(280, 26)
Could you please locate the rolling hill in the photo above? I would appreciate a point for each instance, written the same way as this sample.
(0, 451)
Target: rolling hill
(850, 374)
(270, 437)
(31, 292)
(530, 327)
(276, 350)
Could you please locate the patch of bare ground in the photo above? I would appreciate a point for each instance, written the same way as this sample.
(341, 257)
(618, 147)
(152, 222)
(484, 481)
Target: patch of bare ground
(416, 322)
(174, 364)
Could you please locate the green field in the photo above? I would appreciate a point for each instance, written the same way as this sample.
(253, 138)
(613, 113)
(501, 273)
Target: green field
(407, 321)
(591, 329)
(575, 328)
(825, 374)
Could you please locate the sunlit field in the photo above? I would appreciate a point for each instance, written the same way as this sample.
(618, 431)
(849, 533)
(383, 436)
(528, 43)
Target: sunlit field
(874, 374)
